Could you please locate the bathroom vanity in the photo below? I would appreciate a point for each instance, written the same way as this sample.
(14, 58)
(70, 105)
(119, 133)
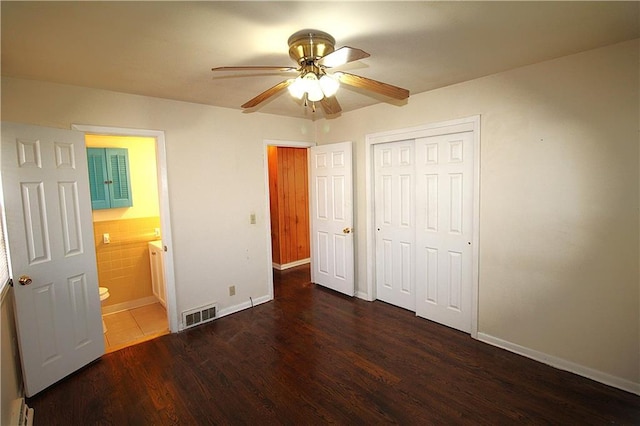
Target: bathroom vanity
(156, 260)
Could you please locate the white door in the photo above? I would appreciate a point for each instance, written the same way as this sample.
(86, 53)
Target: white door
(394, 222)
(331, 189)
(444, 206)
(46, 193)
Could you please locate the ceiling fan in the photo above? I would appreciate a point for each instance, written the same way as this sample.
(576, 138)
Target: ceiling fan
(314, 53)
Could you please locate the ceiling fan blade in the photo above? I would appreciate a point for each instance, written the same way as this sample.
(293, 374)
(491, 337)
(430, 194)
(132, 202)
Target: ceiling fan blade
(375, 86)
(253, 68)
(330, 105)
(266, 94)
(342, 56)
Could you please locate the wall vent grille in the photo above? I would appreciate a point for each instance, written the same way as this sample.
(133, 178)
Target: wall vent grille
(199, 315)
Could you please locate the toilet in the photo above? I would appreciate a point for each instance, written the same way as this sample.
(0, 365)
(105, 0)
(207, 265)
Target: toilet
(104, 295)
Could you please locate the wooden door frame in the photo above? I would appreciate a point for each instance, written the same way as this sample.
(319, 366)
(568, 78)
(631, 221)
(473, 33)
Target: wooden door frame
(163, 199)
(467, 124)
(267, 212)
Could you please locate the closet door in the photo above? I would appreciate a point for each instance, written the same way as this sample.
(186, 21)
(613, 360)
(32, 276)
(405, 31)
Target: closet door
(444, 206)
(394, 221)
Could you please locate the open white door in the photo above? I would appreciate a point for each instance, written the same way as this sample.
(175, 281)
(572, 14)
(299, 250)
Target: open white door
(331, 189)
(53, 261)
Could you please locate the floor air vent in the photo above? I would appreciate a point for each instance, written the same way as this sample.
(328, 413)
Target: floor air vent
(199, 315)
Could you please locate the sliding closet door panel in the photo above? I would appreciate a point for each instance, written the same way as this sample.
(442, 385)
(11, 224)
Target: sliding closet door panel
(444, 220)
(395, 223)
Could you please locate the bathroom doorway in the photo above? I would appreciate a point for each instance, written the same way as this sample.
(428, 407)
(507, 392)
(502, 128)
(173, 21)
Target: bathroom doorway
(137, 300)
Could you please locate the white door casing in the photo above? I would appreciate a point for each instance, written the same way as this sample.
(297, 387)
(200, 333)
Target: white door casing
(394, 223)
(50, 234)
(331, 196)
(165, 210)
(267, 207)
(444, 205)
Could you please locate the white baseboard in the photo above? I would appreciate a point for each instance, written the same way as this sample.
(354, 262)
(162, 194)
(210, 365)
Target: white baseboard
(130, 304)
(291, 264)
(237, 308)
(364, 296)
(562, 364)
(244, 305)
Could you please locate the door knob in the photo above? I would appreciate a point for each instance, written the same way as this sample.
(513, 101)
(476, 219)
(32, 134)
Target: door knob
(24, 280)
(346, 231)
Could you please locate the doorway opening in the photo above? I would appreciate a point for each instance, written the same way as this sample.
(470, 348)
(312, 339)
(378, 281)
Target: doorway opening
(289, 206)
(287, 209)
(139, 307)
(132, 294)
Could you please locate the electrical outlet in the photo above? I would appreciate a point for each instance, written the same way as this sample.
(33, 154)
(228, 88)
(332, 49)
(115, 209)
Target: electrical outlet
(232, 290)
(106, 239)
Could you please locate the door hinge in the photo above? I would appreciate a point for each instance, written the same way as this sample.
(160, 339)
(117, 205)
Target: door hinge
(10, 282)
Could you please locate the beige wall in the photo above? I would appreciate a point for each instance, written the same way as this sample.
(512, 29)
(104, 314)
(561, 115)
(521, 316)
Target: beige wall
(143, 174)
(10, 372)
(215, 162)
(559, 235)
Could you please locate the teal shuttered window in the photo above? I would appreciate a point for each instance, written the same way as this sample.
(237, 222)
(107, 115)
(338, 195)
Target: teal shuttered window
(109, 180)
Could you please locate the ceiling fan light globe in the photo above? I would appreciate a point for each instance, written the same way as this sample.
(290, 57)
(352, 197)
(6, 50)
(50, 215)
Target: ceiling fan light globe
(310, 81)
(315, 93)
(296, 88)
(329, 85)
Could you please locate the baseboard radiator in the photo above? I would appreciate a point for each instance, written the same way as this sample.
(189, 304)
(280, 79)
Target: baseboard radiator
(200, 315)
(21, 414)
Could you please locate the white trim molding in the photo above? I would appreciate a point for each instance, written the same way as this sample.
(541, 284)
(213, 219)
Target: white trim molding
(244, 305)
(468, 124)
(562, 364)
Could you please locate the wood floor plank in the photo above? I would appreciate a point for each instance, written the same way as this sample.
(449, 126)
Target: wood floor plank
(313, 356)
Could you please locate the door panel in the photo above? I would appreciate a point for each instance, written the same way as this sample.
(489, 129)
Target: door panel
(331, 189)
(70, 209)
(444, 205)
(50, 234)
(395, 227)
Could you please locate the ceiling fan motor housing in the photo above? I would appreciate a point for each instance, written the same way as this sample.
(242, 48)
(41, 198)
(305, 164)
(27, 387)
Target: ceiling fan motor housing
(307, 46)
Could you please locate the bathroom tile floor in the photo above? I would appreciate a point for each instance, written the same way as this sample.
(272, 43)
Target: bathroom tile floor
(133, 326)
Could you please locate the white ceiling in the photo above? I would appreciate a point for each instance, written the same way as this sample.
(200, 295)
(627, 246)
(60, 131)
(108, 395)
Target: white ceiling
(167, 49)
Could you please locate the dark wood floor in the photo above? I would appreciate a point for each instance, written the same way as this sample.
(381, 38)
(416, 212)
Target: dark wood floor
(312, 357)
